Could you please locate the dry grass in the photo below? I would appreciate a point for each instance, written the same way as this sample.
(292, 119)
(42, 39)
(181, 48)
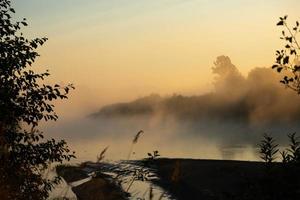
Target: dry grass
(134, 141)
(102, 155)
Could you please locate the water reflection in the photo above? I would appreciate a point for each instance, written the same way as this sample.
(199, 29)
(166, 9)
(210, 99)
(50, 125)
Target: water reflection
(88, 137)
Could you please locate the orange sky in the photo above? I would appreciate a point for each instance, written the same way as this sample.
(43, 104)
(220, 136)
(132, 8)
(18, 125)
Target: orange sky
(118, 50)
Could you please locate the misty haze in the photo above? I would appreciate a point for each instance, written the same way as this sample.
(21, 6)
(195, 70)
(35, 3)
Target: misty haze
(226, 123)
(149, 100)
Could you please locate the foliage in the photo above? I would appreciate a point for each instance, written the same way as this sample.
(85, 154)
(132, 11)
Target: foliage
(143, 173)
(294, 149)
(292, 153)
(24, 101)
(291, 168)
(268, 149)
(286, 171)
(152, 156)
(288, 63)
(287, 59)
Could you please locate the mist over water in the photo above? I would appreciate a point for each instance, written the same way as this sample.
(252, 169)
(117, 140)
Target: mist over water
(211, 140)
(89, 137)
(227, 123)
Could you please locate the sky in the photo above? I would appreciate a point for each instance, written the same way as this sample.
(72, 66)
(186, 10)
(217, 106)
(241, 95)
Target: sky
(118, 50)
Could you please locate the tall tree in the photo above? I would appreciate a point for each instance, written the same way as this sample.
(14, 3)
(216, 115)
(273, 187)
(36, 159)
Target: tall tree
(25, 100)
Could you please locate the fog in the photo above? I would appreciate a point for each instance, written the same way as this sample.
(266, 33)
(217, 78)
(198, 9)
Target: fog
(226, 123)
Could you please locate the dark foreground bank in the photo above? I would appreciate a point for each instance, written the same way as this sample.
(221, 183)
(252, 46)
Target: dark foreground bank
(194, 179)
(97, 187)
(226, 180)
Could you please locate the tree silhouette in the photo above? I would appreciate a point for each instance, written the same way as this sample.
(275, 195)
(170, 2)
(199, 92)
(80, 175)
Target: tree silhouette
(24, 101)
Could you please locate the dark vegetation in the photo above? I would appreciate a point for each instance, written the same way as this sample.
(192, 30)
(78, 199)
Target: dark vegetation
(25, 100)
(287, 59)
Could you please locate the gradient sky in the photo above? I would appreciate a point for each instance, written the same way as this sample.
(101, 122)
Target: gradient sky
(116, 50)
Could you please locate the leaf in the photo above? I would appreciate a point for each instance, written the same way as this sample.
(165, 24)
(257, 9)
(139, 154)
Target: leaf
(290, 39)
(24, 23)
(293, 51)
(286, 60)
(296, 68)
(280, 23)
(274, 66)
(279, 69)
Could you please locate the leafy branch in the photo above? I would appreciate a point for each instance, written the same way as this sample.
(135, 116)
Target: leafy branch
(287, 59)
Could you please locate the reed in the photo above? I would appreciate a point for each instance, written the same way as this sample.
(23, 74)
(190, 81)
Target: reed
(134, 141)
(101, 156)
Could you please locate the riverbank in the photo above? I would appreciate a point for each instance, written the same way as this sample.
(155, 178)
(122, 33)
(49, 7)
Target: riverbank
(179, 179)
(211, 179)
(88, 185)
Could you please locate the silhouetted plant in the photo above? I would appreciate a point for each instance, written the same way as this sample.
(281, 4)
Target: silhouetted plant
(101, 156)
(134, 141)
(288, 62)
(287, 59)
(143, 173)
(284, 156)
(268, 149)
(294, 148)
(292, 167)
(267, 185)
(24, 102)
(287, 175)
(152, 156)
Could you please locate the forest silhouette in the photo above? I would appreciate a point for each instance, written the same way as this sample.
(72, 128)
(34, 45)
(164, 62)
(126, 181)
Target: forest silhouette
(257, 98)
